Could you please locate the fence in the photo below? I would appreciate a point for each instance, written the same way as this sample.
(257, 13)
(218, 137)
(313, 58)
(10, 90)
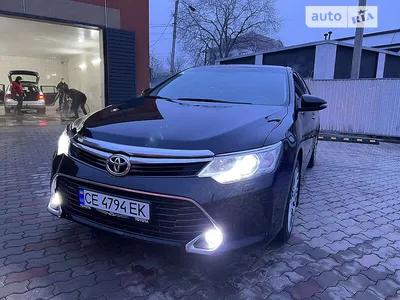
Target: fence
(365, 106)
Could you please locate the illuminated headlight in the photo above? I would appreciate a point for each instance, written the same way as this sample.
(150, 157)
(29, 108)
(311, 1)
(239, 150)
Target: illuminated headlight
(213, 238)
(236, 167)
(63, 144)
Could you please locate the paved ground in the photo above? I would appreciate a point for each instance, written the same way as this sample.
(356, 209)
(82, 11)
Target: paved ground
(346, 242)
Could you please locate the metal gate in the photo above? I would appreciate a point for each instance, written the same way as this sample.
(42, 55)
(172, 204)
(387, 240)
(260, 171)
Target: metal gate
(365, 106)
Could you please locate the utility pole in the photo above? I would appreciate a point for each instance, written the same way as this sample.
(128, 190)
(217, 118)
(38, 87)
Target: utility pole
(172, 70)
(357, 51)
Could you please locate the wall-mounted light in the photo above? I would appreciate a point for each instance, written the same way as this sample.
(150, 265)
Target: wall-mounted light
(48, 76)
(83, 66)
(96, 61)
(54, 74)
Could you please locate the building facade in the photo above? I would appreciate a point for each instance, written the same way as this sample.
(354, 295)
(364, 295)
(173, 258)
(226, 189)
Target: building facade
(327, 59)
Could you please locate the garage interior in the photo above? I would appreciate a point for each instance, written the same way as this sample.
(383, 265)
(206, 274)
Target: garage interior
(54, 51)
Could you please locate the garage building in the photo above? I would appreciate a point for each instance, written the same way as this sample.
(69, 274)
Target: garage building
(99, 47)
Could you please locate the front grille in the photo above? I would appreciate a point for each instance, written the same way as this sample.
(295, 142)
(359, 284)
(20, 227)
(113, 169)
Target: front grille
(175, 169)
(170, 219)
(87, 157)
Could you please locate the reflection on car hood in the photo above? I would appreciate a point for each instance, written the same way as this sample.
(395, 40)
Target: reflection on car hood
(218, 127)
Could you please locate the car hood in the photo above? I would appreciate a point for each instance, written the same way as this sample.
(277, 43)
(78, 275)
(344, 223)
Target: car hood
(156, 123)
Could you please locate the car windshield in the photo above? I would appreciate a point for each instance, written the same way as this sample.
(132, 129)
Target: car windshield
(25, 78)
(243, 85)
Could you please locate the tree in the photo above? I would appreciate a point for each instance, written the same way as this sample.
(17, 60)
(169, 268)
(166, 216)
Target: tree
(181, 62)
(218, 25)
(157, 67)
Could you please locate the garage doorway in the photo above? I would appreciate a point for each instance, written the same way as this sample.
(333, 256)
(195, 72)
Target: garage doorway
(42, 53)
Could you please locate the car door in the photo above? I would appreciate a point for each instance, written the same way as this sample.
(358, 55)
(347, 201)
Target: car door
(2, 92)
(315, 114)
(50, 92)
(305, 119)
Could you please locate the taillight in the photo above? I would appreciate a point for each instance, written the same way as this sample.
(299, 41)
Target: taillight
(41, 97)
(9, 96)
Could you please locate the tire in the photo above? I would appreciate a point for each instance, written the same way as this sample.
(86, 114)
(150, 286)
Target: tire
(291, 205)
(7, 111)
(311, 163)
(41, 111)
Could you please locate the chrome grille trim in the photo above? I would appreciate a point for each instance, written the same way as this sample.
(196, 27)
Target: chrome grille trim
(144, 152)
(141, 160)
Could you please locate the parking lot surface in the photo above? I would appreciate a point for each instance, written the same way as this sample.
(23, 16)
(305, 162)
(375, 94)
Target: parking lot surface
(346, 241)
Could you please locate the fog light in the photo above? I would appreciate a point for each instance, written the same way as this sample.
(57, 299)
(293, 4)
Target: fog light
(55, 201)
(213, 238)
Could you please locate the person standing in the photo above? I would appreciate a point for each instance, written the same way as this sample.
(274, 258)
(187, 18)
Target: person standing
(17, 91)
(78, 100)
(62, 88)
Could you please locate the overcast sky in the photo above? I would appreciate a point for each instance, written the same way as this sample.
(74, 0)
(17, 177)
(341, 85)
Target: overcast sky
(293, 31)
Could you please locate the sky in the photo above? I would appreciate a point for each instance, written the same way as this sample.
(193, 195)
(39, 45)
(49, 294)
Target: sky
(292, 12)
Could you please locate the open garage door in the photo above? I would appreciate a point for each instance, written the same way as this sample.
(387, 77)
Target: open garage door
(42, 54)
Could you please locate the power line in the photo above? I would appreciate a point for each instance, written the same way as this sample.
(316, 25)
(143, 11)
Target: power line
(165, 29)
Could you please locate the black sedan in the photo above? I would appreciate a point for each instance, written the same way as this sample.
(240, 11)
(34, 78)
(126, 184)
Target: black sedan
(209, 160)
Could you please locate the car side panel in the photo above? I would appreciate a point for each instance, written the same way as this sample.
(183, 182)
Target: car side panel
(315, 119)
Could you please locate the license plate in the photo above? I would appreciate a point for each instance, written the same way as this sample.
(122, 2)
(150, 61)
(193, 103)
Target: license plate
(115, 205)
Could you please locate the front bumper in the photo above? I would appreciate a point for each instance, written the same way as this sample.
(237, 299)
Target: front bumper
(40, 104)
(245, 212)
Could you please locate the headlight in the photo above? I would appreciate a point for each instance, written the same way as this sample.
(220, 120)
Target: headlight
(63, 144)
(235, 167)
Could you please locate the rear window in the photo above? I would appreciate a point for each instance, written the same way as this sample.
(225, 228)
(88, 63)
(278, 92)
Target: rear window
(26, 78)
(30, 89)
(255, 85)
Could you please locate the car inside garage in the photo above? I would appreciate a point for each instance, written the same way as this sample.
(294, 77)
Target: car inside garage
(42, 53)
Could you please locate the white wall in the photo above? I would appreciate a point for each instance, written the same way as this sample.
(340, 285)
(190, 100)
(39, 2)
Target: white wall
(50, 70)
(88, 80)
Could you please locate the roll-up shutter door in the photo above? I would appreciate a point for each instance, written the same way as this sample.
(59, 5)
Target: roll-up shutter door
(120, 67)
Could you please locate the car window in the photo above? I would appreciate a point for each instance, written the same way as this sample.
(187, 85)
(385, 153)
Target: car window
(298, 89)
(300, 84)
(26, 77)
(304, 84)
(31, 88)
(2, 87)
(255, 85)
(48, 89)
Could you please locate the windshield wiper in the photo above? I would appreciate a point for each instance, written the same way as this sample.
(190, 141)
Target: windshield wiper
(158, 97)
(212, 100)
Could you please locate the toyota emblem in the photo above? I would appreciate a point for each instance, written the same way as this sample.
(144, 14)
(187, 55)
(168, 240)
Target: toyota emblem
(118, 165)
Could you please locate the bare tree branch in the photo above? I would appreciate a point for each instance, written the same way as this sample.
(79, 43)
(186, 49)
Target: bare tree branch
(220, 25)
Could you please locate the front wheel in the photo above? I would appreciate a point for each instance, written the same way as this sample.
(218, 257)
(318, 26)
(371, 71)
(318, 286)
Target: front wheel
(291, 206)
(7, 111)
(311, 163)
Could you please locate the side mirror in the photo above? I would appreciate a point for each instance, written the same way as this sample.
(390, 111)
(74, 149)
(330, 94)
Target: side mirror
(312, 103)
(145, 91)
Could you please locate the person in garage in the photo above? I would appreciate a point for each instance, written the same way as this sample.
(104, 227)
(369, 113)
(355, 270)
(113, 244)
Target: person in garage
(62, 88)
(17, 91)
(78, 100)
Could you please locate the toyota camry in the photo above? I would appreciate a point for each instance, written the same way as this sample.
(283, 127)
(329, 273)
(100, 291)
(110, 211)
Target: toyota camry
(211, 159)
